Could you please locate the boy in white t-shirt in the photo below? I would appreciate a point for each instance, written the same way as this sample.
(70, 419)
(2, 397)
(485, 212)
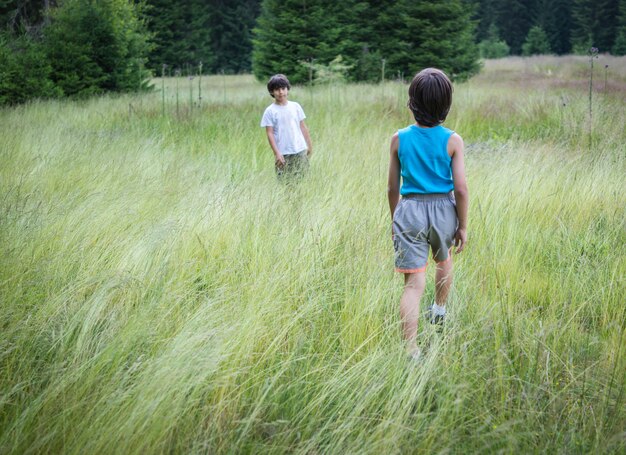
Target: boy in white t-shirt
(286, 131)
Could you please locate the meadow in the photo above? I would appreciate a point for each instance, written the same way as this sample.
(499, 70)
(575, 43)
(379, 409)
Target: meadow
(161, 292)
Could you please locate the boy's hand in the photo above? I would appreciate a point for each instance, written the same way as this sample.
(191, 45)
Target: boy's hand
(280, 160)
(309, 152)
(460, 237)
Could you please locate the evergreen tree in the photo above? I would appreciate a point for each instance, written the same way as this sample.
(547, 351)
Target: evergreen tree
(594, 24)
(619, 47)
(407, 34)
(555, 18)
(96, 46)
(231, 25)
(181, 33)
(515, 18)
(293, 33)
(24, 70)
(367, 31)
(493, 46)
(436, 33)
(536, 42)
(485, 16)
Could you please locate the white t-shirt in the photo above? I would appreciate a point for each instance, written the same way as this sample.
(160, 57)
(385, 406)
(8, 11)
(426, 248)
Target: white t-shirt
(286, 123)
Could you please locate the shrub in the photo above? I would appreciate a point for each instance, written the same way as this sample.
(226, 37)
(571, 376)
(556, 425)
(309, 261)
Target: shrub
(619, 48)
(97, 46)
(536, 42)
(335, 72)
(493, 46)
(24, 70)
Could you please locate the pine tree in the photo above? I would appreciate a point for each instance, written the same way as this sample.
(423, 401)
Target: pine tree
(493, 46)
(95, 47)
(407, 34)
(594, 24)
(619, 47)
(24, 70)
(435, 33)
(515, 17)
(231, 27)
(292, 33)
(485, 15)
(181, 33)
(536, 42)
(555, 18)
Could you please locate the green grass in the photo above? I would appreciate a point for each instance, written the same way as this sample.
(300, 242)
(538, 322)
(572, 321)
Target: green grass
(160, 291)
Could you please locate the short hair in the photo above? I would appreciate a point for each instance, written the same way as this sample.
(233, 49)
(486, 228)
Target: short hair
(278, 81)
(430, 97)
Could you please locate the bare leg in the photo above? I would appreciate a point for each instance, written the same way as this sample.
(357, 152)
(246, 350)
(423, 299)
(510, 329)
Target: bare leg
(414, 284)
(443, 281)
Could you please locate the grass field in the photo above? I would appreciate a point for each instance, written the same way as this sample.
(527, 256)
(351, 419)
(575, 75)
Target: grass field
(161, 292)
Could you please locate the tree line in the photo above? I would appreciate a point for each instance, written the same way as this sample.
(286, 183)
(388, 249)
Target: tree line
(51, 48)
(526, 27)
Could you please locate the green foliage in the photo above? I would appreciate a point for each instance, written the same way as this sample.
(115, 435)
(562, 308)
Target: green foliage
(568, 24)
(214, 32)
(493, 46)
(335, 72)
(594, 24)
(369, 66)
(555, 18)
(430, 33)
(536, 42)
(181, 32)
(619, 47)
(291, 31)
(97, 46)
(514, 20)
(231, 27)
(485, 16)
(581, 47)
(24, 70)
(409, 35)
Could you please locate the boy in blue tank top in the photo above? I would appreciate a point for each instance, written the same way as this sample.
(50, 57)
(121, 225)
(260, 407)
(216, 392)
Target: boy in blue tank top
(432, 213)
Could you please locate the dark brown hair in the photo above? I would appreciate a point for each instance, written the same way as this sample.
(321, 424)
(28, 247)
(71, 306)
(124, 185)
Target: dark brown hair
(430, 97)
(277, 81)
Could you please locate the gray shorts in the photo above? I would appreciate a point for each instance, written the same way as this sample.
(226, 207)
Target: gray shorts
(296, 164)
(422, 222)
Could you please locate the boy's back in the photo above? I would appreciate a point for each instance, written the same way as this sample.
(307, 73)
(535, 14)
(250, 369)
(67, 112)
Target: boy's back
(424, 160)
(428, 159)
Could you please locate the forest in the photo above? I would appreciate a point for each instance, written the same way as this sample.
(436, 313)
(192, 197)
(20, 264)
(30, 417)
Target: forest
(78, 48)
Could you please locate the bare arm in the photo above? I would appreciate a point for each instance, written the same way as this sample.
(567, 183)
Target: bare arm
(393, 180)
(461, 194)
(280, 160)
(307, 138)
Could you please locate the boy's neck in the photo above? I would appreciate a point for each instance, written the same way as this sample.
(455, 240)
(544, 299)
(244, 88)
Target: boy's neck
(422, 126)
(281, 103)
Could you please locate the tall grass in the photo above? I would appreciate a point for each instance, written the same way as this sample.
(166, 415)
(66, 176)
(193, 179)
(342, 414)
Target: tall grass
(160, 291)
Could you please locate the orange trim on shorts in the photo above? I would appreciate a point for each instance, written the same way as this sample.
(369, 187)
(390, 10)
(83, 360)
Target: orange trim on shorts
(421, 269)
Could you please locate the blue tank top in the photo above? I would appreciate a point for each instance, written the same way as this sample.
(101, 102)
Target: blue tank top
(424, 162)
